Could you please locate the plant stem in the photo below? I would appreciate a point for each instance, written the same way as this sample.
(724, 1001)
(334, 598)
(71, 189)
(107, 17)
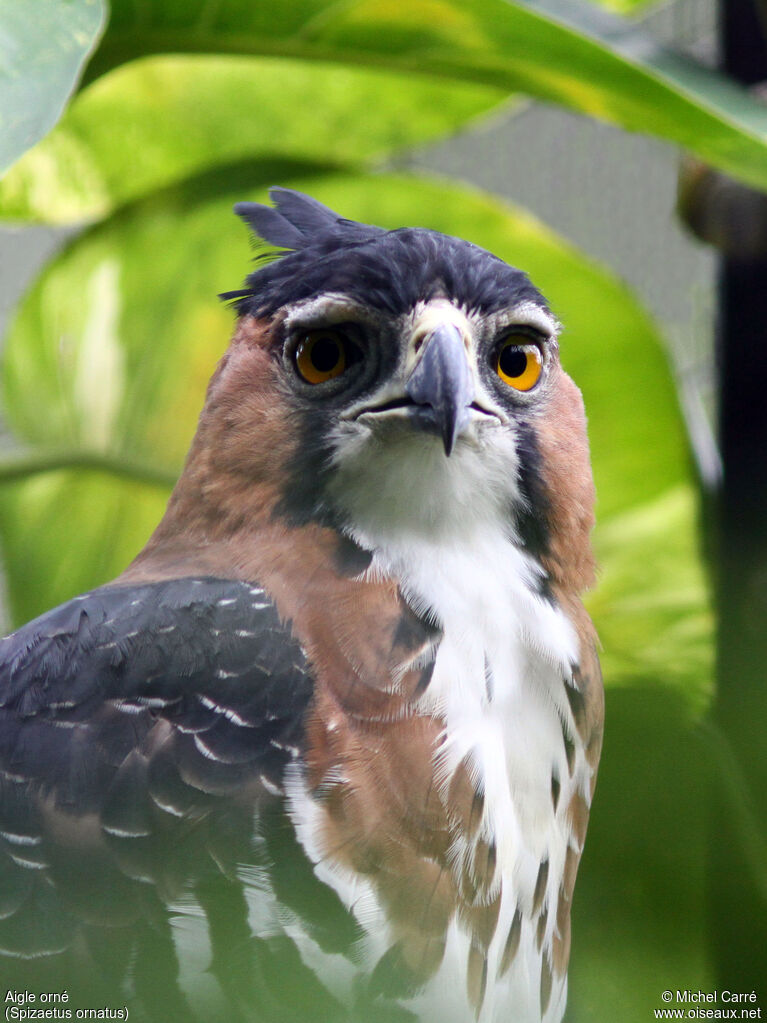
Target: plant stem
(20, 465)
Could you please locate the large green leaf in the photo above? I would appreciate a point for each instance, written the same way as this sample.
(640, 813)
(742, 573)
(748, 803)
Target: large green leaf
(562, 51)
(43, 45)
(112, 348)
(109, 356)
(653, 601)
(180, 116)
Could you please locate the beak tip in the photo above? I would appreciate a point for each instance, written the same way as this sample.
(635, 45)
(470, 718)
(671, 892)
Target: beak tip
(453, 428)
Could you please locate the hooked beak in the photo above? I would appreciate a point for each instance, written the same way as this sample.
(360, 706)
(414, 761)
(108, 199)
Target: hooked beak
(441, 385)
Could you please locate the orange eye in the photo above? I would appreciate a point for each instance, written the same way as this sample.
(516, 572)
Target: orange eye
(519, 365)
(321, 355)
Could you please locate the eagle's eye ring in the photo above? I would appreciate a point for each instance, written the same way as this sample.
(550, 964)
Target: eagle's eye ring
(518, 362)
(322, 354)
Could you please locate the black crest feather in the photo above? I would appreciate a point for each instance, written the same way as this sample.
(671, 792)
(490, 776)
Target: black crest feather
(293, 222)
(386, 269)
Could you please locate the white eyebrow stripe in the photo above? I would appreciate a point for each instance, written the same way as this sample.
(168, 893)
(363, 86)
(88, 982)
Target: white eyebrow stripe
(528, 314)
(328, 308)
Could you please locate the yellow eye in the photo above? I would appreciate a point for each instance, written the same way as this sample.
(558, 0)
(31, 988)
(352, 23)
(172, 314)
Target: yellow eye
(321, 355)
(519, 365)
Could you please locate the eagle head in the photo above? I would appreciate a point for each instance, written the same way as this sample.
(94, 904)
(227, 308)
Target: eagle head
(416, 377)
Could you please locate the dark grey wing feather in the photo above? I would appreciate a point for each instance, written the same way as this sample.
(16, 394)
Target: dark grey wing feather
(141, 727)
(86, 684)
(145, 734)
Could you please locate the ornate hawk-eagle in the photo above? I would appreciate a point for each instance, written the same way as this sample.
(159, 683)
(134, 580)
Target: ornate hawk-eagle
(326, 749)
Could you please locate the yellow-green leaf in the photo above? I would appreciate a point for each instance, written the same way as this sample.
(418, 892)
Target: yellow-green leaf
(561, 51)
(154, 122)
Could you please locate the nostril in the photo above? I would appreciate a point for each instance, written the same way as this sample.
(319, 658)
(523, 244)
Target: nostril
(418, 344)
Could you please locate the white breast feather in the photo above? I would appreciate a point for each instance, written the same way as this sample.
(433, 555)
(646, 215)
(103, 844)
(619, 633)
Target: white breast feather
(445, 535)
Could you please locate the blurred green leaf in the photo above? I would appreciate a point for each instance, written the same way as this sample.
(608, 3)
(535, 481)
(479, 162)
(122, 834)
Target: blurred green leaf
(113, 347)
(180, 116)
(562, 51)
(63, 532)
(640, 911)
(43, 46)
(653, 603)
